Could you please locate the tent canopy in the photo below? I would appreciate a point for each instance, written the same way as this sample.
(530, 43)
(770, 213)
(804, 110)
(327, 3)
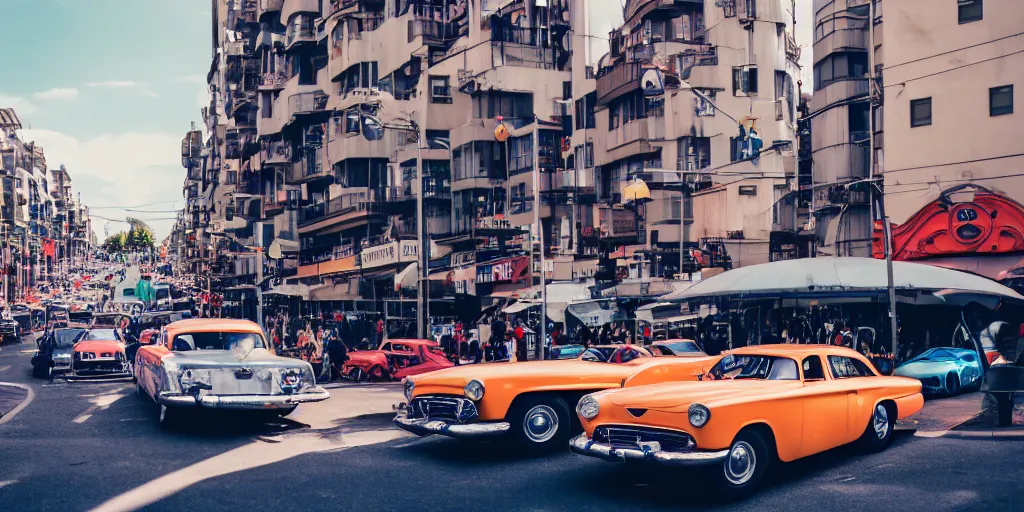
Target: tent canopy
(830, 274)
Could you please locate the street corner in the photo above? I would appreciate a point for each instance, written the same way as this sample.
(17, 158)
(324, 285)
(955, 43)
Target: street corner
(985, 425)
(968, 416)
(13, 398)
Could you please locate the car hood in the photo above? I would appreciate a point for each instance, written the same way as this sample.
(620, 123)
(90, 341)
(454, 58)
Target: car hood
(99, 346)
(569, 370)
(220, 358)
(677, 396)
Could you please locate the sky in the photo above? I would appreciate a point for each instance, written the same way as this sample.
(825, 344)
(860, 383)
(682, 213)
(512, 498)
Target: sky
(108, 88)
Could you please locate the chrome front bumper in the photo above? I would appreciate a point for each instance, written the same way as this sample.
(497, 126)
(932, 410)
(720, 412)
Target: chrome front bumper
(583, 445)
(428, 426)
(244, 402)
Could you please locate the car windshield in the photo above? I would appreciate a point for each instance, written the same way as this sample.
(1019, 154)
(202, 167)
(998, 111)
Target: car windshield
(755, 367)
(611, 354)
(244, 341)
(65, 338)
(677, 348)
(99, 334)
(162, 293)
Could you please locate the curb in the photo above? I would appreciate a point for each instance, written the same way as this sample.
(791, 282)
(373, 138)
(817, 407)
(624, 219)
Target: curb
(995, 435)
(29, 396)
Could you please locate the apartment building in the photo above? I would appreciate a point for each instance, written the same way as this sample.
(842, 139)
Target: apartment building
(952, 162)
(719, 116)
(938, 113)
(840, 116)
(45, 228)
(323, 115)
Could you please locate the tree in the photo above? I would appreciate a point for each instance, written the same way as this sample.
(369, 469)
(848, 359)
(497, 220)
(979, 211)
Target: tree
(139, 238)
(115, 243)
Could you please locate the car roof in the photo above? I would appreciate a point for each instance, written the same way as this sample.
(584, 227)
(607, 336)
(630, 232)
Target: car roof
(795, 351)
(673, 340)
(212, 325)
(412, 341)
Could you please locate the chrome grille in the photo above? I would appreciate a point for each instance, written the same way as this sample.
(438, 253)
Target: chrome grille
(621, 436)
(443, 408)
(97, 367)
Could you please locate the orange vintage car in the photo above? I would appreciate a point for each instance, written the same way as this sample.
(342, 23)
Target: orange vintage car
(530, 401)
(756, 404)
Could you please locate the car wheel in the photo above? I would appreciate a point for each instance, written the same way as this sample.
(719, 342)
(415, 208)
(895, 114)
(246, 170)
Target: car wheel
(952, 384)
(378, 374)
(541, 423)
(745, 464)
(878, 434)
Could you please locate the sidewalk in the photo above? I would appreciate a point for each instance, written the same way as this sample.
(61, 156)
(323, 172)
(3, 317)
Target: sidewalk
(967, 416)
(10, 397)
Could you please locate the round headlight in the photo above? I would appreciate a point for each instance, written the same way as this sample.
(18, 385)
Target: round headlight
(588, 408)
(699, 415)
(409, 386)
(474, 390)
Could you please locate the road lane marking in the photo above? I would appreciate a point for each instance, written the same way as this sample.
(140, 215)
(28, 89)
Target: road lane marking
(29, 396)
(5, 483)
(100, 403)
(5, 368)
(245, 457)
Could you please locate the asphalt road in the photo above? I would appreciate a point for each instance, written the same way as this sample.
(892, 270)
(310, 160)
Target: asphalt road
(96, 446)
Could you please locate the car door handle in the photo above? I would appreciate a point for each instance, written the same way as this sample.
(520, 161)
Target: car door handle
(852, 392)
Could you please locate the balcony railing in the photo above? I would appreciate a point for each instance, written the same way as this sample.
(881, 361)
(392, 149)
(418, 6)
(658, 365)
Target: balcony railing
(345, 204)
(512, 54)
(270, 81)
(620, 79)
(306, 102)
(300, 34)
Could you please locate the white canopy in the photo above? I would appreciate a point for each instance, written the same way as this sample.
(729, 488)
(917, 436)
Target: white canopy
(809, 275)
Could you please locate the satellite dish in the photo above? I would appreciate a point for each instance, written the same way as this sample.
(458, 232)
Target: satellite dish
(501, 133)
(652, 82)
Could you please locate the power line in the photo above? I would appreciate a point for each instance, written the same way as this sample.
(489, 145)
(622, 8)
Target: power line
(953, 163)
(953, 69)
(135, 206)
(952, 51)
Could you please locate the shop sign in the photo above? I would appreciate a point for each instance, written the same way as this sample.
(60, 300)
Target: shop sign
(389, 253)
(503, 271)
(493, 223)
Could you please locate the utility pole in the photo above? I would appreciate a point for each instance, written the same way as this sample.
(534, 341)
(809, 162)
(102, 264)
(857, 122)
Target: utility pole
(422, 293)
(540, 240)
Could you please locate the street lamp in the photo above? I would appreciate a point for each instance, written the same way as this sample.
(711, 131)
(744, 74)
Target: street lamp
(373, 130)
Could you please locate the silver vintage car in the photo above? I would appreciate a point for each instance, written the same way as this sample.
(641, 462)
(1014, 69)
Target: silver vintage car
(224, 364)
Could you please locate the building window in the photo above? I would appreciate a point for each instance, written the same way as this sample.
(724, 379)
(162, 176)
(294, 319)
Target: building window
(440, 90)
(585, 112)
(920, 112)
(1000, 100)
(232, 177)
(968, 11)
(748, 190)
(744, 80)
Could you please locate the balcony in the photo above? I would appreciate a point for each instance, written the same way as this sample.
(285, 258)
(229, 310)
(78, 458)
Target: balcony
(837, 91)
(618, 80)
(839, 40)
(310, 167)
(307, 103)
(350, 210)
(270, 6)
(297, 34)
(523, 56)
(272, 81)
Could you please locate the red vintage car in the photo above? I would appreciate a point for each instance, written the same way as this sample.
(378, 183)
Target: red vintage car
(395, 360)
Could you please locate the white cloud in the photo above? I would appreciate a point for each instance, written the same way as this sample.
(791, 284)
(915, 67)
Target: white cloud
(119, 169)
(116, 84)
(150, 94)
(57, 93)
(21, 106)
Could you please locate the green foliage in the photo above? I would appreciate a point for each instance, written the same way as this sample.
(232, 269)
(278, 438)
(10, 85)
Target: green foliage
(138, 238)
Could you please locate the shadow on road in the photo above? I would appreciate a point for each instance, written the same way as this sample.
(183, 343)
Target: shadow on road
(656, 486)
(214, 424)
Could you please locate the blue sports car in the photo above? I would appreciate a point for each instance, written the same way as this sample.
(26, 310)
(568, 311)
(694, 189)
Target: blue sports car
(944, 370)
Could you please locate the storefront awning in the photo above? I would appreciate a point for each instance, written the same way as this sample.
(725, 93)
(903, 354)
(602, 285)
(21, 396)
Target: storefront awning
(837, 275)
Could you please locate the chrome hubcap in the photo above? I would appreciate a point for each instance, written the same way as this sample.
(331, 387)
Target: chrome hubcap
(739, 466)
(540, 424)
(880, 421)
